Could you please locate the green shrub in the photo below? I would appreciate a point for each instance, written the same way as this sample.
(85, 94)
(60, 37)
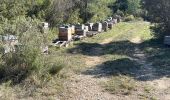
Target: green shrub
(27, 57)
(74, 17)
(129, 18)
(56, 68)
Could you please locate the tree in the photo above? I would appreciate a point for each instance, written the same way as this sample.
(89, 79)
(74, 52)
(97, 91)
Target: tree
(158, 12)
(134, 7)
(131, 7)
(95, 10)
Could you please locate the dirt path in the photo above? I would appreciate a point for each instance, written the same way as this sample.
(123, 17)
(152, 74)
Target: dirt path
(147, 75)
(87, 86)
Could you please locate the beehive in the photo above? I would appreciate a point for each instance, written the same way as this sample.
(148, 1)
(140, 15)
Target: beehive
(105, 26)
(110, 25)
(73, 29)
(81, 32)
(86, 28)
(119, 19)
(65, 34)
(90, 26)
(45, 24)
(97, 27)
(45, 27)
(114, 21)
(167, 40)
(79, 27)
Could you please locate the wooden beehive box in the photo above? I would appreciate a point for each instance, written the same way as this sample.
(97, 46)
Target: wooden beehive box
(81, 29)
(65, 34)
(167, 40)
(97, 27)
(81, 32)
(105, 26)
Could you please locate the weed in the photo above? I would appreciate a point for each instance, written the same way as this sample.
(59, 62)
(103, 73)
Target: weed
(56, 68)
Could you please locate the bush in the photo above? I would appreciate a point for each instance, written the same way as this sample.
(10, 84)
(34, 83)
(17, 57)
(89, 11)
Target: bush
(56, 68)
(17, 66)
(129, 18)
(27, 57)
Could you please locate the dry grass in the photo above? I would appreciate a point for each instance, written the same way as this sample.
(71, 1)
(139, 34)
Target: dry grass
(121, 85)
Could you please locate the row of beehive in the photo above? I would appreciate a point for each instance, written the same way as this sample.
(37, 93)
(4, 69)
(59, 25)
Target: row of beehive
(66, 32)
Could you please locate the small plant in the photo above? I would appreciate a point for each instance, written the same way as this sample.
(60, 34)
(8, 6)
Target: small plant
(56, 68)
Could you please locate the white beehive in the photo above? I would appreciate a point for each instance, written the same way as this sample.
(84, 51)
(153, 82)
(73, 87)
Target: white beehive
(105, 26)
(97, 27)
(44, 27)
(90, 26)
(45, 24)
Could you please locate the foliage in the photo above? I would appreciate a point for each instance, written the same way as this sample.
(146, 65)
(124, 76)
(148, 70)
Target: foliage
(26, 57)
(158, 12)
(74, 17)
(129, 18)
(131, 7)
(98, 10)
(134, 7)
(55, 68)
(56, 11)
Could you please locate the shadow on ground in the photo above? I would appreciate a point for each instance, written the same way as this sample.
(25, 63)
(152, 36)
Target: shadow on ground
(123, 66)
(156, 55)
